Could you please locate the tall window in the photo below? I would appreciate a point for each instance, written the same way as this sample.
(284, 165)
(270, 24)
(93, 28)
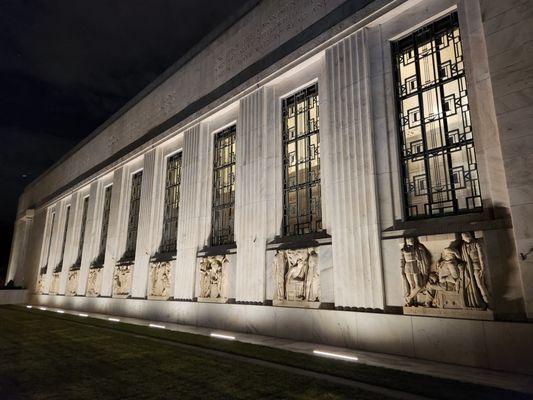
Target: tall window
(301, 163)
(59, 266)
(77, 264)
(43, 269)
(105, 226)
(172, 199)
(223, 188)
(439, 165)
(133, 220)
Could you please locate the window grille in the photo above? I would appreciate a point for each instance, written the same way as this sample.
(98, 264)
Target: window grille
(59, 266)
(171, 209)
(439, 168)
(133, 220)
(105, 226)
(82, 231)
(223, 213)
(301, 163)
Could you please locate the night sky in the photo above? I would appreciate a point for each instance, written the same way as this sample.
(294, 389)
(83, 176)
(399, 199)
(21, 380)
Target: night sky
(68, 65)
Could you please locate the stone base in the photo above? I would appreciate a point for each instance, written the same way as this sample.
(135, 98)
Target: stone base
(213, 299)
(163, 298)
(478, 314)
(296, 304)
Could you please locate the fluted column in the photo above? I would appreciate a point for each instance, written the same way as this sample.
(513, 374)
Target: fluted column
(21, 234)
(143, 252)
(351, 190)
(91, 228)
(72, 238)
(251, 198)
(116, 225)
(191, 223)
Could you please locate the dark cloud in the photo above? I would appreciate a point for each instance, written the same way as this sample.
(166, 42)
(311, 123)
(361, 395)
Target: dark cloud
(66, 66)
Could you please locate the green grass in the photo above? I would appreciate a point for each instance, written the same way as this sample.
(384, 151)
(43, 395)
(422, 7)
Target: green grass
(44, 355)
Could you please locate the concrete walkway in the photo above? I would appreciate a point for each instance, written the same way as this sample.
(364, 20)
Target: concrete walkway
(503, 380)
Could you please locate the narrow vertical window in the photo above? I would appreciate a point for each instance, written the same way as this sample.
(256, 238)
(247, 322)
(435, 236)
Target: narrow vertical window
(223, 214)
(59, 266)
(77, 264)
(105, 226)
(49, 246)
(438, 160)
(301, 163)
(133, 220)
(171, 209)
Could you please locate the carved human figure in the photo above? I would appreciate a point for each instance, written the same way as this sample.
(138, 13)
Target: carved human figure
(472, 255)
(449, 269)
(205, 280)
(279, 274)
(415, 263)
(312, 285)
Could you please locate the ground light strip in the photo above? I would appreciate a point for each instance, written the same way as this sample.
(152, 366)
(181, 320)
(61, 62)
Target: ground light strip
(157, 326)
(218, 335)
(335, 355)
(83, 315)
(60, 311)
(42, 308)
(28, 306)
(114, 319)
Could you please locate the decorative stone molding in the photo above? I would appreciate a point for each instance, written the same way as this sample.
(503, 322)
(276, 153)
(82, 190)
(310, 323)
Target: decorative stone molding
(72, 282)
(297, 278)
(448, 281)
(159, 279)
(94, 282)
(54, 283)
(213, 279)
(122, 280)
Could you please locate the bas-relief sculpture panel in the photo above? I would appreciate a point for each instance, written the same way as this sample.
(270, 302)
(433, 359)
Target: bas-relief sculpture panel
(39, 286)
(54, 283)
(94, 282)
(122, 280)
(445, 277)
(159, 279)
(213, 279)
(297, 278)
(72, 282)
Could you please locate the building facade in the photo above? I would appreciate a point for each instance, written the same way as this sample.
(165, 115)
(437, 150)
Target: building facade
(355, 173)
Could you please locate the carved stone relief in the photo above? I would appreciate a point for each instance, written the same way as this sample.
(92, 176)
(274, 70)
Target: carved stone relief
(213, 271)
(54, 284)
(296, 277)
(72, 283)
(94, 282)
(160, 279)
(453, 281)
(39, 287)
(122, 280)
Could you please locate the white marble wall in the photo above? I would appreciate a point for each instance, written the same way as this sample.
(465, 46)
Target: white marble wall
(20, 241)
(352, 191)
(251, 198)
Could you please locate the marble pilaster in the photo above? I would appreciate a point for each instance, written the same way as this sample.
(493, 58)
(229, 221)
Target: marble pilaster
(21, 235)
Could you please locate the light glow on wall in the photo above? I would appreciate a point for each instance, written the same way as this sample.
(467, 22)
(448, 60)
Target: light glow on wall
(335, 355)
(219, 336)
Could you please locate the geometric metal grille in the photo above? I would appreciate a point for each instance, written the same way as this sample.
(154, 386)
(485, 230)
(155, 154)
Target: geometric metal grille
(82, 231)
(172, 200)
(59, 266)
(439, 168)
(223, 187)
(133, 219)
(105, 226)
(301, 163)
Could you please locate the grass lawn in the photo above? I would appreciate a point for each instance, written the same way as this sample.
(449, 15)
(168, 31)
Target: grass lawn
(44, 355)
